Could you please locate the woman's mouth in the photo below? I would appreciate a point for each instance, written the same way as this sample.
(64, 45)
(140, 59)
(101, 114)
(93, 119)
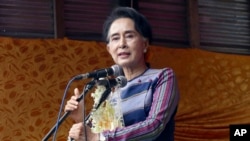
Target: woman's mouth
(123, 54)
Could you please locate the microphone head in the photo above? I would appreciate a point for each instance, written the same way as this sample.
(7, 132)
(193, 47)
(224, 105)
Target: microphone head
(114, 70)
(117, 70)
(121, 81)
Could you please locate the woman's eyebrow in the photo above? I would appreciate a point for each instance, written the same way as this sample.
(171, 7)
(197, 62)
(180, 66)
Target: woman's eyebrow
(130, 31)
(126, 32)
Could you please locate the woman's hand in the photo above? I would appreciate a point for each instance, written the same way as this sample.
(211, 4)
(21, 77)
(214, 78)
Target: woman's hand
(76, 108)
(77, 132)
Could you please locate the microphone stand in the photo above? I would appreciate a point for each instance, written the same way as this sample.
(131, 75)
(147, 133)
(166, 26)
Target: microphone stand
(88, 87)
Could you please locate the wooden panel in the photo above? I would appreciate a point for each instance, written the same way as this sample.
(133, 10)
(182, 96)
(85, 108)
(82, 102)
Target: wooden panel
(26, 18)
(225, 24)
(168, 19)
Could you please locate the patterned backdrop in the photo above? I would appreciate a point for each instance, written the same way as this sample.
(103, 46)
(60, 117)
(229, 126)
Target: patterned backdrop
(215, 87)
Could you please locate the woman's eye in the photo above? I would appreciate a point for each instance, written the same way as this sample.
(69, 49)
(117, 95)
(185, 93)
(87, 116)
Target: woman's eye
(114, 38)
(129, 36)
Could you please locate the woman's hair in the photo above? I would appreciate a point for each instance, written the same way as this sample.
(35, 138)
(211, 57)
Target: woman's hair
(142, 26)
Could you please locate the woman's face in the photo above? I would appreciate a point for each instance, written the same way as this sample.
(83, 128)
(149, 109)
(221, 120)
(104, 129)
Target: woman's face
(126, 45)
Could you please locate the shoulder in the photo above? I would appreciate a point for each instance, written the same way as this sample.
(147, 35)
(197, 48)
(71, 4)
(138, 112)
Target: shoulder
(154, 75)
(159, 72)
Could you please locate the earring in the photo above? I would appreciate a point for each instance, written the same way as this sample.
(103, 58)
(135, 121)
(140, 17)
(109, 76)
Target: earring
(145, 50)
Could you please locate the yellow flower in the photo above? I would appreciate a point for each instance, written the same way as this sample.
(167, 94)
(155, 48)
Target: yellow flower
(104, 118)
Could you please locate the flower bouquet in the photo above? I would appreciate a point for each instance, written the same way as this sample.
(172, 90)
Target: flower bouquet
(108, 116)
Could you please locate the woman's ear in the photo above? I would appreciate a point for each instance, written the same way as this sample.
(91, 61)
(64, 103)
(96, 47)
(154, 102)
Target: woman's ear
(107, 48)
(146, 45)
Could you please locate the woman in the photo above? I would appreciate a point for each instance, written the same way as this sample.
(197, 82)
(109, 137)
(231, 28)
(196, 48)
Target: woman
(150, 98)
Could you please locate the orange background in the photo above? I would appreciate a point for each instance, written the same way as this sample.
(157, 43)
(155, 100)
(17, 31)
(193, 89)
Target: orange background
(214, 87)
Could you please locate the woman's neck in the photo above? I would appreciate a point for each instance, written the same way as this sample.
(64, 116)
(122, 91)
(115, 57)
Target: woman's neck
(131, 73)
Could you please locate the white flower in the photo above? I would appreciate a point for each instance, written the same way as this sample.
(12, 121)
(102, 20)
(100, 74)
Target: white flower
(98, 93)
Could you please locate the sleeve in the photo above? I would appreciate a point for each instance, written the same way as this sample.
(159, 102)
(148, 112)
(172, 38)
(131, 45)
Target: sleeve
(165, 101)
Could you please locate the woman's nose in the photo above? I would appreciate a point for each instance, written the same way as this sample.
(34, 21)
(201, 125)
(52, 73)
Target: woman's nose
(123, 43)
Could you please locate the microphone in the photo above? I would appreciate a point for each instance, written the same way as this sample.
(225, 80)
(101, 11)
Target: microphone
(120, 81)
(115, 70)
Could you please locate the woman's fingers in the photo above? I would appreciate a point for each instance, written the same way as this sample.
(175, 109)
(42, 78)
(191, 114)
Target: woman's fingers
(76, 92)
(71, 104)
(76, 131)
